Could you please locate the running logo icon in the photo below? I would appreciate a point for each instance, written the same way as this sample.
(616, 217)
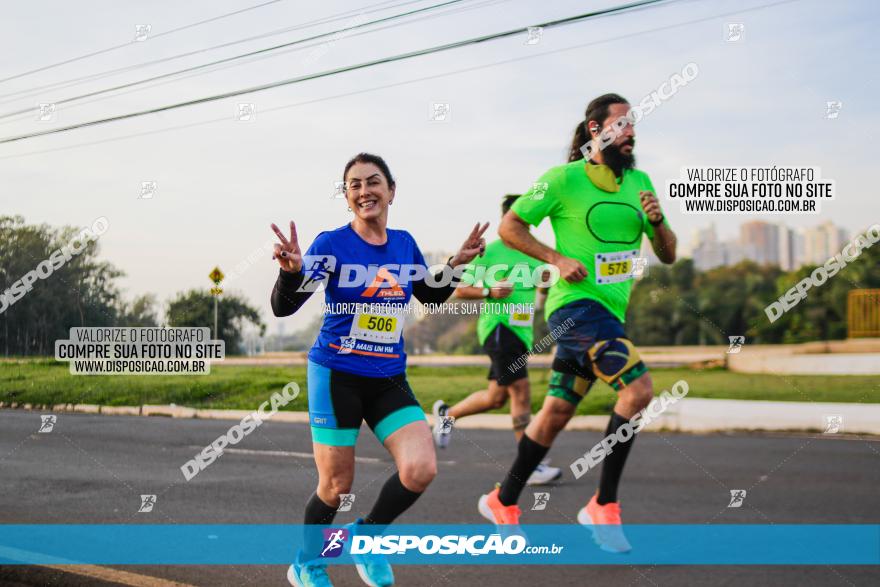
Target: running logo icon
(541, 500)
(538, 190)
(246, 112)
(535, 33)
(833, 424)
(147, 503)
(346, 345)
(46, 112)
(439, 112)
(346, 500)
(148, 190)
(446, 424)
(640, 266)
(832, 109)
(338, 191)
(737, 496)
(735, 32)
(47, 423)
(316, 269)
(142, 31)
(736, 343)
(334, 541)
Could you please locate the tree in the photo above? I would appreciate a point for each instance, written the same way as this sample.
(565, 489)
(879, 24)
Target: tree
(196, 308)
(139, 313)
(80, 292)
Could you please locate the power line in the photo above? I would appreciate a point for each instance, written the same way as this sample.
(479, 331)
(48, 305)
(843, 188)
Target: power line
(299, 79)
(250, 60)
(402, 83)
(115, 47)
(237, 57)
(107, 73)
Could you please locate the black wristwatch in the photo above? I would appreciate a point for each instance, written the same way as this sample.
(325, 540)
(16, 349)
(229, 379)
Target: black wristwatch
(659, 222)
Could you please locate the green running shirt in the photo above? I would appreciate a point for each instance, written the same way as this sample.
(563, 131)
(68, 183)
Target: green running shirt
(600, 229)
(516, 311)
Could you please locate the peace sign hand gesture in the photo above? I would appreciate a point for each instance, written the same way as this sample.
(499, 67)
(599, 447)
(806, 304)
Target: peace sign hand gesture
(287, 253)
(473, 246)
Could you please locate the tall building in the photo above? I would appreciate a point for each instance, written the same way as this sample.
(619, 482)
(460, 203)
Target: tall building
(760, 242)
(707, 252)
(787, 248)
(768, 244)
(822, 242)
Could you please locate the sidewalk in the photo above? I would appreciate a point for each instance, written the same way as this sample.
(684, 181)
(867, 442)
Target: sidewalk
(688, 415)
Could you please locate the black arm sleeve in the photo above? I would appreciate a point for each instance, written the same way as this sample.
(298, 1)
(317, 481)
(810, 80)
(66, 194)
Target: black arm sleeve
(428, 294)
(285, 298)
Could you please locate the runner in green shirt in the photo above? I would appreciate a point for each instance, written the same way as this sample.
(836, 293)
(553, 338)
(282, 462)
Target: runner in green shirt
(507, 280)
(599, 206)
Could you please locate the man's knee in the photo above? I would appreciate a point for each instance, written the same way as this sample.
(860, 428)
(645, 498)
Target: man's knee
(639, 392)
(497, 396)
(557, 413)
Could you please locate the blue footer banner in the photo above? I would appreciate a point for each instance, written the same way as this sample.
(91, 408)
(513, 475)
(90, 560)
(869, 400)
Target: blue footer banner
(455, 544)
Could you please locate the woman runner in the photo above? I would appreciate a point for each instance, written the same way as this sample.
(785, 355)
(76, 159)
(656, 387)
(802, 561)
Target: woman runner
(357, 366)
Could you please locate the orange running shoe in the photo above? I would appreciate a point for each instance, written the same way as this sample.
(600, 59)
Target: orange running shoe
(604, 521)
(496, 512)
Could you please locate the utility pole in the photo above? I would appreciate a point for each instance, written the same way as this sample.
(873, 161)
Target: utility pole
(216, 276)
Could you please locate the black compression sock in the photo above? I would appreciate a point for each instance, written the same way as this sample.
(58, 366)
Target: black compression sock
(612, 466)
(317, 513)
(394, 499)
(529, 456)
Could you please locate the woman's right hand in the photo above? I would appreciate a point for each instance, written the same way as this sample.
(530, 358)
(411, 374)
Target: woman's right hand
(287, 253)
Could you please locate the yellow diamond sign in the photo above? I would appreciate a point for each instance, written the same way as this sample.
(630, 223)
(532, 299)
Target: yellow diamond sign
(216, 275)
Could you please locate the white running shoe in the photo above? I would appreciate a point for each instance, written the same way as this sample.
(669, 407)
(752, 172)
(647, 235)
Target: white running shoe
(544, 474)
(442, 424)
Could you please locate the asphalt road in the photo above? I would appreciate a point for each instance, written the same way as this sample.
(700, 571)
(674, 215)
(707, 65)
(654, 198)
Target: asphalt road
(93, 469)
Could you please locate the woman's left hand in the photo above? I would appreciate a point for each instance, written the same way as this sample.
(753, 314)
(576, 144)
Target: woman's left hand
(473, 246)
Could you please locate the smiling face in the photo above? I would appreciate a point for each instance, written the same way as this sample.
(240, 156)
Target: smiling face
(367, 191)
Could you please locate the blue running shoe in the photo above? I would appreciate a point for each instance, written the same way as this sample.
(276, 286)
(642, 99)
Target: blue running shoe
(373, 569)
(311, 573)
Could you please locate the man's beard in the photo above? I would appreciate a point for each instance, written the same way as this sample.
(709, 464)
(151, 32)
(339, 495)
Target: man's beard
(617, 160)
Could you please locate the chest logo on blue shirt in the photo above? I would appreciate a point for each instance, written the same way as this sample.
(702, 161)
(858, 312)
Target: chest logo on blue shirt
(384, 286)
(316, 269)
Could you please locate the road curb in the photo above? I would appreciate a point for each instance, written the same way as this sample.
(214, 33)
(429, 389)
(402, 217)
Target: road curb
(688, 415)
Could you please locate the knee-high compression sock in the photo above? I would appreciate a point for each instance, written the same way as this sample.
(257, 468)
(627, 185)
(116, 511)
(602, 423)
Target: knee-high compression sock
(317, 513)
(528, 457)
(393, 500)
(612, 466)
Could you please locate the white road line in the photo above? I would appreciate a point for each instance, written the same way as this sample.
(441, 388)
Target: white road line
(303, 455)
(287, 453)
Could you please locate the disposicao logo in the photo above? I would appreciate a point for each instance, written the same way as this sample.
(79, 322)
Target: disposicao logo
(334, 541)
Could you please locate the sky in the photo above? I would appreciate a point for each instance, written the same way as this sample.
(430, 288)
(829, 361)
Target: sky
(220, 182)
